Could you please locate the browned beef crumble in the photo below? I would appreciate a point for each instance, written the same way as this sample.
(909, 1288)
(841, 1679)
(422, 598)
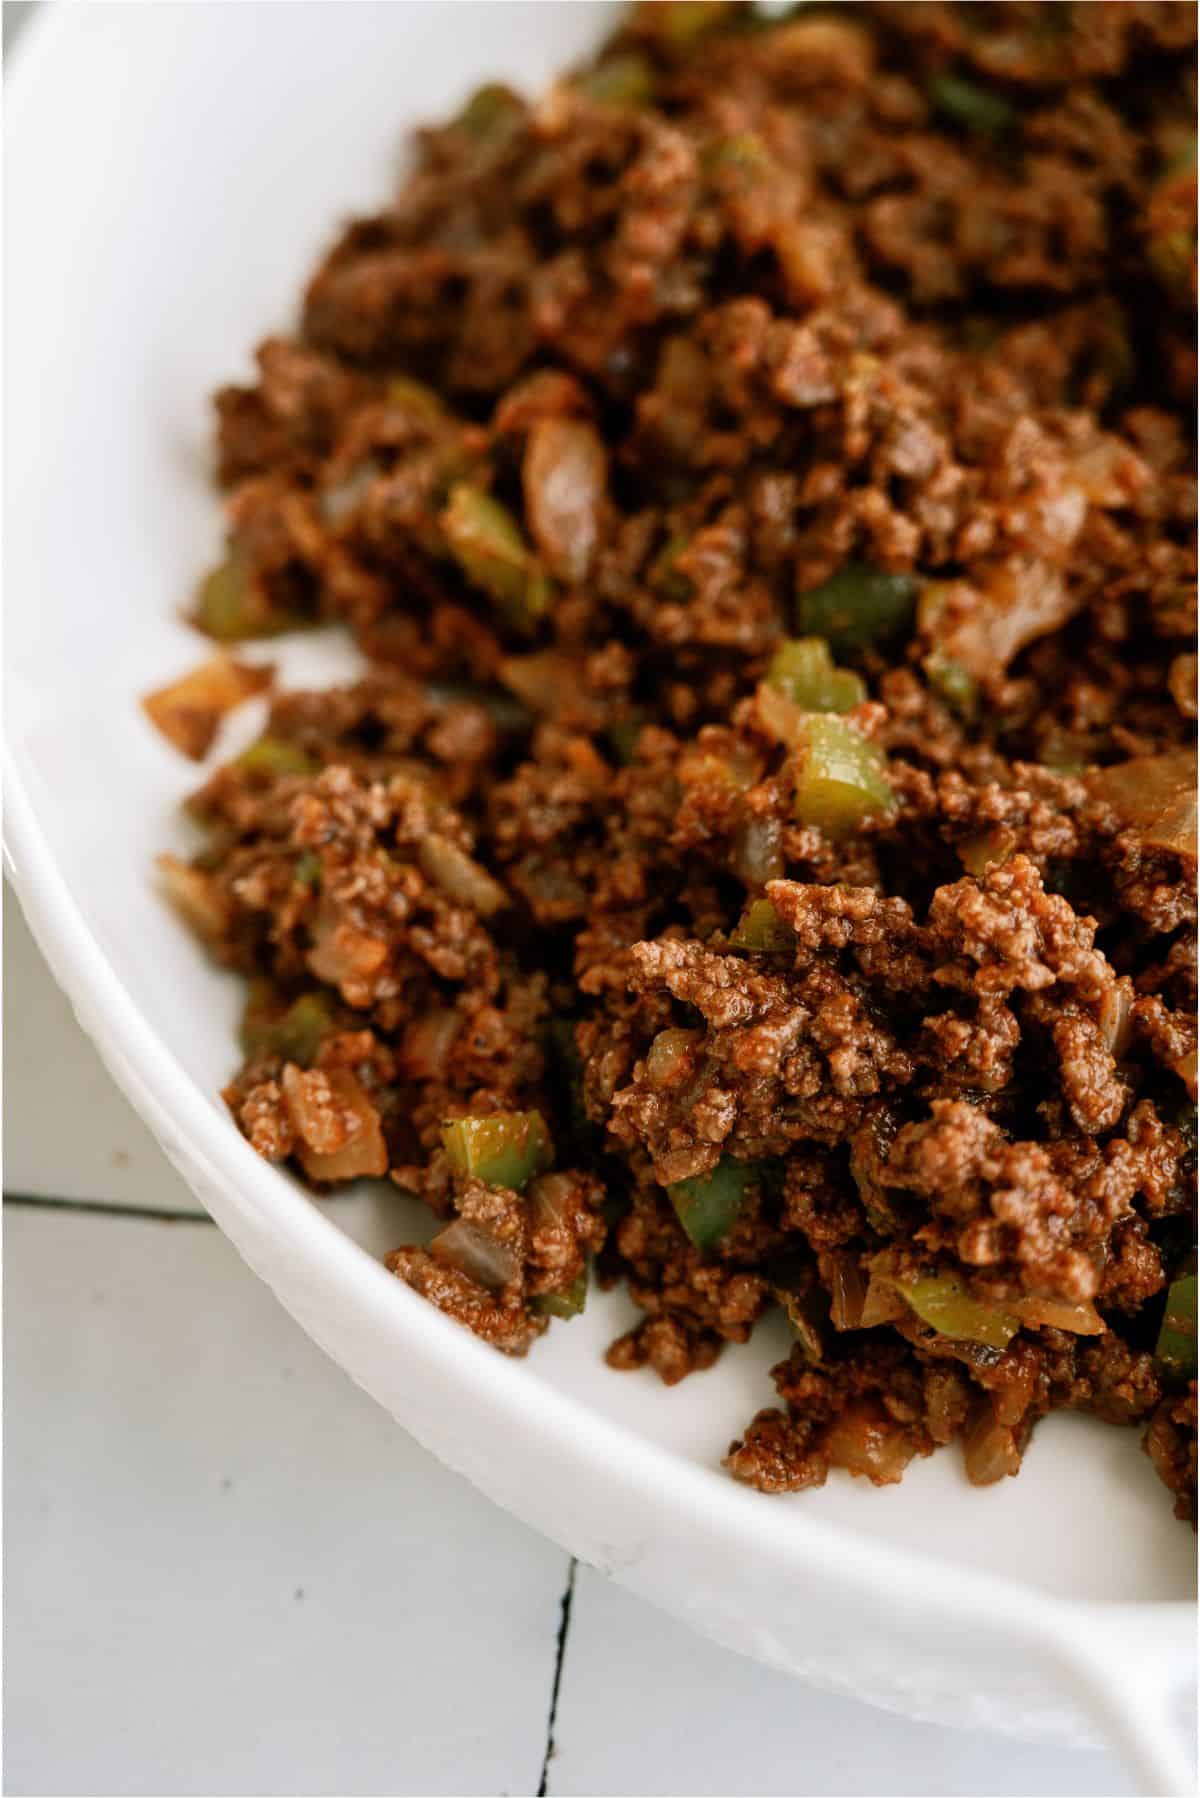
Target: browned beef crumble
(899, 289)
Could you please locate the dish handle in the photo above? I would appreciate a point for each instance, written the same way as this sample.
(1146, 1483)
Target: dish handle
(1140, 1696)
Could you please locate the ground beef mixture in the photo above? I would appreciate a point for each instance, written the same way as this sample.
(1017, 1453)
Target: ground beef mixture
(758, 866)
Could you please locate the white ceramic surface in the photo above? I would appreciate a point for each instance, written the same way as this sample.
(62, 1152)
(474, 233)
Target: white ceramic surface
(170, 173)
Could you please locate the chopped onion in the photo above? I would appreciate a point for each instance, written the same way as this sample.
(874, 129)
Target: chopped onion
(565, 476)
(337, 503)
(777, 715)
(341, 951)
(362, 1153)
(1181, 683)
(669, 1056)
(471, 1251)
(989, 1449)
(982, 627)
(1185, 1067)
(552, 1201)
(541, 679)
(1059, 1314)
(189, 710)
(197, 897)
(462, 879)
(758, 850)
(1154, 795)
(882, 1304)
(847, 1294)
(1116, 1008)
(865, 1440)
(427, 1042)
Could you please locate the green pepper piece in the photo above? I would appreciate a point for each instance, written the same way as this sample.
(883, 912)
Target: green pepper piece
(623, 735)
(665, 576)
(225, 607)
(678, 24)
(803, 669)
(487, 544)
(567, 1303)
(294, 1035)
(299, 1033)
(564, 1068)
(857, 606)
(761, 930)
(308, 869)
(492, 112)
(950, 679)
(414, 396)
(841, 778)
(708, 1205)
(1176, 1347)
(274, 756)
(233, 609)
(978, 108)
(626, 80)
(942, 1302)
(744, 154)
(505, 1149)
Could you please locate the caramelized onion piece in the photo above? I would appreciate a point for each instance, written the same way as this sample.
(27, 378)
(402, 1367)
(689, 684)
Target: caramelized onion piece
(471, 1251)
(990, 1449)
(865, 1440)
(847, 1292)
(188, 711)
(982, 626)
(197, 898)
(565, 476)
(1155, 795)
(337, 1126)
(426, 1044)
(341, 951)
(462, 879)
(1059, 1314)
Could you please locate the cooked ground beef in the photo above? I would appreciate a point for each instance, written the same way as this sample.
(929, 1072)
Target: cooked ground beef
(759, 863)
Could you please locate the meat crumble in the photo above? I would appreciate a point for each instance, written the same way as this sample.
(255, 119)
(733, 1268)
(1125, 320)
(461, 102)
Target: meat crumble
(758, 866)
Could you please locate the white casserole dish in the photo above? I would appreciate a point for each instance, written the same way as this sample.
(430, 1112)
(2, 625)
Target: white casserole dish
(171, 172)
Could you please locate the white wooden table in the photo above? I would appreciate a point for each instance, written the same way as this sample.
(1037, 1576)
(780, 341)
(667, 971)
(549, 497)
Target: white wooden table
(228, 1572)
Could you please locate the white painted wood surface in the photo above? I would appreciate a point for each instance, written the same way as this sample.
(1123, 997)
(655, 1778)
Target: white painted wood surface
(181, 1463)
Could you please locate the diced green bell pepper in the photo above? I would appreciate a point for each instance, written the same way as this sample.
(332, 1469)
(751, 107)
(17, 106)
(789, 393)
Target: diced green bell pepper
(505, 1149)
(840, 778)
(969, 104)
(491, 112)
(274, 756)
(744, 154)
(1176, 1348)
(857, 606)
(803, 669)
(626, 80)
(942, 1302)
(414, 396)
(231, 609)
(567, 1303)
(761, 930)
(295, 1035)
(678, 24)
(950, 679)
(708, 1205)
(486, 542)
